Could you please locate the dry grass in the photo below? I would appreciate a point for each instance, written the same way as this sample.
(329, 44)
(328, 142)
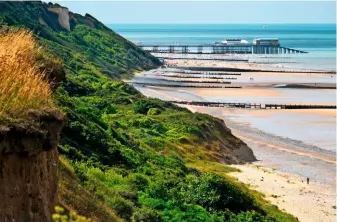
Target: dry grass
(22, 85)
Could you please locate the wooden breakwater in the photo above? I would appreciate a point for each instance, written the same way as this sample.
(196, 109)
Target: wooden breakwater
(254, 105)
(203, 72)
(144, 84)
(196, 58)
(197, 76)
(226, 69)
(204, 81)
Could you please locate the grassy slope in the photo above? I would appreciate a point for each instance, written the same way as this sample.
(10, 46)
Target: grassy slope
(126, 156)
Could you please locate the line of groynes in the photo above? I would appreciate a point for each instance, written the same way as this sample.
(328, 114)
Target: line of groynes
(197, 76)
(186, 71)
(254, 105)
(226, 69)
(144, 84)
(203, 81)
(197, 58)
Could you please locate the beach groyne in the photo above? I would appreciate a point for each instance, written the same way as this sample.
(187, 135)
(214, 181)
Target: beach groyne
(211, 58)
(254, 105)
(144, 84)
(197, 76)
(227, 69)
(185, 70)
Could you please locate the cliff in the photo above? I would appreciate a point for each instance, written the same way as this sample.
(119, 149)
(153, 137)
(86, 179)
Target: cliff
(81, 42)
(28, 166)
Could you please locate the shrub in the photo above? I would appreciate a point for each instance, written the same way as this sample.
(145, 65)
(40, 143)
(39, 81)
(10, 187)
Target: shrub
(214, 193)
(142, 106)
(138, 180)
(153, 111)
(124, 208)
(60, 216)
(145, 215)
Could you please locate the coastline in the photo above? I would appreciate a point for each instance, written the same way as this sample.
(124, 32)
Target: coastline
(286, 188)
(284, 153)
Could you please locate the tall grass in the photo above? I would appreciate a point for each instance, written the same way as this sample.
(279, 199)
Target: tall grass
(22, 85)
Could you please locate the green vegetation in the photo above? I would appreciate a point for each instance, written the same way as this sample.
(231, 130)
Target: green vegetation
(126, 157)
(60, 216)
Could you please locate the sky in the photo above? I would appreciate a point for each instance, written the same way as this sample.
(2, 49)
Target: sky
(201, 12)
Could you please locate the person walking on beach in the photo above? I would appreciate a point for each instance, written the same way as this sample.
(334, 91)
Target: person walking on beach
(307, 180)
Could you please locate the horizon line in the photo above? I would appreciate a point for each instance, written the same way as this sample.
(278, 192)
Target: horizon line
(241, 23)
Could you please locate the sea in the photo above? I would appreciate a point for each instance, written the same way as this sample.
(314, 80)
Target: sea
(319, 40)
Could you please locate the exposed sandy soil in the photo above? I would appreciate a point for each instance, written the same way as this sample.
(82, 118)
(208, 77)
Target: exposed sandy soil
(309, 203)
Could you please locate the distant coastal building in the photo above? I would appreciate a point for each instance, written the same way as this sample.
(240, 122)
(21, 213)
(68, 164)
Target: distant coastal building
(235, 42)
(266, 42)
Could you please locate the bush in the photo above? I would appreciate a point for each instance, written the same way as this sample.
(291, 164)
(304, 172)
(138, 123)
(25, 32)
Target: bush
(153, 111)
(146, 215)
(214, 193)
(142, 106)
(60, 216)
(81, 171)
(140, 181)
(124, 208)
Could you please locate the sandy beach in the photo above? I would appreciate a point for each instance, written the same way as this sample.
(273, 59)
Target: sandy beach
(290, 145)
(313, 202)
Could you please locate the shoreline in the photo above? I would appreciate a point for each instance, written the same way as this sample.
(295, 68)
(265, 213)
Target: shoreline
(265, 145)
(285, 152)
(287, 190)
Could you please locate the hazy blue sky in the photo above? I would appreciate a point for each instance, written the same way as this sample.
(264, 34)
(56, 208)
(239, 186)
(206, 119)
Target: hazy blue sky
(207, 12)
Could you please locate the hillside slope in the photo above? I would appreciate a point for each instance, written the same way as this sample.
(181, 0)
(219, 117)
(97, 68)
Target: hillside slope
(140, 159)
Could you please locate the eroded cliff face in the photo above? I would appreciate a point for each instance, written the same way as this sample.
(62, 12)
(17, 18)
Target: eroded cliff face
(60, 19)
(234, 150)
(63, 16)
(28, 167)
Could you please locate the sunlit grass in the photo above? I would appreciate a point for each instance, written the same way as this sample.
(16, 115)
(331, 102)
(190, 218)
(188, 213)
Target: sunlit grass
(22, 85)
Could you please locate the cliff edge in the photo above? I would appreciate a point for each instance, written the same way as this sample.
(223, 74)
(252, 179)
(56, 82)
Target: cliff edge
(28, 166)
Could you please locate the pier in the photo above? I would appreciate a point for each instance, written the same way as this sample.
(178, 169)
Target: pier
(254, 105)
(218, 49)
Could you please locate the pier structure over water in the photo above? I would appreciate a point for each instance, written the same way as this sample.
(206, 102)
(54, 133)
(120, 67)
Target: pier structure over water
(218, 49)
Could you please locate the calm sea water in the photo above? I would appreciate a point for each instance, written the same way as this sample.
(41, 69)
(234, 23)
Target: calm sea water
(317, 39)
